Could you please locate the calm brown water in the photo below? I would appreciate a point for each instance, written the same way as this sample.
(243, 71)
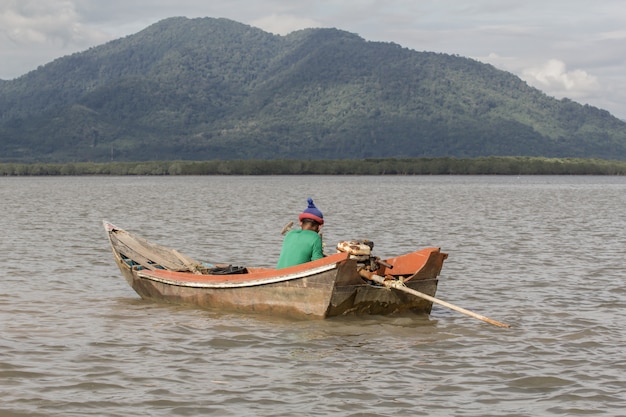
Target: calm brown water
(544, 254)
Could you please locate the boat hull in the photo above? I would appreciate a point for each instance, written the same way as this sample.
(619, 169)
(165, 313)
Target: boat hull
(324, 288)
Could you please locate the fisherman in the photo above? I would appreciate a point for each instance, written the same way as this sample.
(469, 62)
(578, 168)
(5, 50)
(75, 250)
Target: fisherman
(305, 244)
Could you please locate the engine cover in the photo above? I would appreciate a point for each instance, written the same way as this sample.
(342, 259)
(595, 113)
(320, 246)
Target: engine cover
(356, 248)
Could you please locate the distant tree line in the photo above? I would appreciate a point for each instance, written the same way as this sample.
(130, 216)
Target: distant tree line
(384, 166)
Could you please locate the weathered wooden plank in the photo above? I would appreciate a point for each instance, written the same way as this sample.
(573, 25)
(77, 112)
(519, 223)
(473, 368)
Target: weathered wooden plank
(156, 254)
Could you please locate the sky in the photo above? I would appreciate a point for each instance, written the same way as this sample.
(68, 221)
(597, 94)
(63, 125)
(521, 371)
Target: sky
(565, 48)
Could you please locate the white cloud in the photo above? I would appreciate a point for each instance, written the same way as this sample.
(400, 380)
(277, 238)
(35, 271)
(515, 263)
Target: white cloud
(27, 22)
(506, 63)
(614, 35)
(554, 77)
(284, 24)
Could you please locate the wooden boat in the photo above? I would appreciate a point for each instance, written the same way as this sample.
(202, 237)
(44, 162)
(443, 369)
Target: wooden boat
(331, 286)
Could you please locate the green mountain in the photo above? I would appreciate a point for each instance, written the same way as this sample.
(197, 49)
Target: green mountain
(217, 89)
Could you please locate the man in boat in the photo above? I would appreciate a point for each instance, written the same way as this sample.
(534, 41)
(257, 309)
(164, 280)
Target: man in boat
(305, 244)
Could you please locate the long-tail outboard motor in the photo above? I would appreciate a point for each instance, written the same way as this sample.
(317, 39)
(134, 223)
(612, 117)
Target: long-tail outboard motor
(361, 251)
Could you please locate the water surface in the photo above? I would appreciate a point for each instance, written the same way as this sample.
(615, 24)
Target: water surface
(544, 254)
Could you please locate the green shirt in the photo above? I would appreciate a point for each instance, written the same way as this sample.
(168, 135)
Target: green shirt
(300, 246)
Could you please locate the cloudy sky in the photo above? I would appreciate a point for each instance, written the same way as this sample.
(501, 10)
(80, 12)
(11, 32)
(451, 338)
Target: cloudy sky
(566, 48)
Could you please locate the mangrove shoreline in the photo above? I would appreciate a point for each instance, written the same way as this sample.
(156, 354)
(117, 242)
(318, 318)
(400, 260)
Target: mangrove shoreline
(387, 166)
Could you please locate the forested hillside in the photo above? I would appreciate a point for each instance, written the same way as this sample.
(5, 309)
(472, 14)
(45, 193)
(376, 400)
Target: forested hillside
(216, 89)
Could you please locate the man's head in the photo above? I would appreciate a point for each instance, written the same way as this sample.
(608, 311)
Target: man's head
(310, 224)
(312, 213)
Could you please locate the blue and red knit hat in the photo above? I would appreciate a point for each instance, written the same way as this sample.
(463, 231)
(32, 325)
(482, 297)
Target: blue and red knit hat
(312, 212)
